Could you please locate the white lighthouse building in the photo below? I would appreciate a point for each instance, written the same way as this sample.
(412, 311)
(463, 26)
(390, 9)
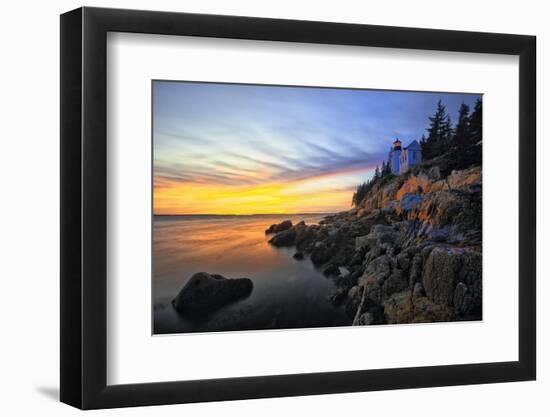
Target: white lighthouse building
(404, 158)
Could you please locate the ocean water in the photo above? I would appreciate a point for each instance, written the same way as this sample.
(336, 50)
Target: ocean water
(287, 293)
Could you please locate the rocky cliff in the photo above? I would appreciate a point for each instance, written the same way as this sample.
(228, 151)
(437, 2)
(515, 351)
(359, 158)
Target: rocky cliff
(409, 252)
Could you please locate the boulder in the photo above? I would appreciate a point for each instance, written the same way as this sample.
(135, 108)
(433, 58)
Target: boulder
(395, 283)
(374, 253)
(320, 254)
(452, 277)
(399, 309)
(285, 238)
(378, 235)
(333, 231)
(364, 319)
(403, 308)
(304, 234)
(418, 290)
(403, 261)
(364, 242)
(377, 312)
(353, 300)
(357, 258)
(462, 299)
(373, 290)
(298, 256)
(426, 311)
(385, 234)
(378, 269)
(205, 293)
(468, 300)
(440, 274)
(349, 280)
(331, 270)
(276, 228)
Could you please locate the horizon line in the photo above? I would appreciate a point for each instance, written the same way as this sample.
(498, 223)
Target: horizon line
(253, 214)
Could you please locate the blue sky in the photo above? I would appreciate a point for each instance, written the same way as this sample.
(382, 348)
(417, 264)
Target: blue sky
(317, 141)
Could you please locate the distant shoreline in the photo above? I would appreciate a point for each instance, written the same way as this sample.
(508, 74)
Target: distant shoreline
(245, 215)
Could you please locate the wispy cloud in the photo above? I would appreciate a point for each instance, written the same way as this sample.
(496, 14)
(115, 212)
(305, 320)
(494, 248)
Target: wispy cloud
(236, 148)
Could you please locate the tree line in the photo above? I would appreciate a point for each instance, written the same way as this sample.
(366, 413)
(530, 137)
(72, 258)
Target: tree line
(462, 142)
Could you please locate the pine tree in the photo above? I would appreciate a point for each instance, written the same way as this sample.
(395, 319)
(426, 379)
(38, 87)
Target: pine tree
(462, 129)
(423, 140)
(361, 192)
(447, 129)
(476, 123)
(377, 172)
(467, 138)
(437, 122)
(475, 136)
(439, 133)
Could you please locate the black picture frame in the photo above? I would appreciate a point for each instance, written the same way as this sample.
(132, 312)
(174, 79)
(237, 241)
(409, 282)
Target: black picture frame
(84, 207)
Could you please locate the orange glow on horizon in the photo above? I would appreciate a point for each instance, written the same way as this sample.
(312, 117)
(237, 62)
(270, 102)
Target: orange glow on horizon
(303, 196)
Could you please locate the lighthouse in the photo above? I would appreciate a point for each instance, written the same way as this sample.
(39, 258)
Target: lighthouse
(395, 155)
(404, 158)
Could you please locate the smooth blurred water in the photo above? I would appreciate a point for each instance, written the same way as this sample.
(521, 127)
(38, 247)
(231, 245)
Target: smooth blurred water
(287, 293)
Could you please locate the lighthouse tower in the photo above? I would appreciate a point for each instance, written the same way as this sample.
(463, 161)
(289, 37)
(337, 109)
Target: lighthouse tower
(395, 154)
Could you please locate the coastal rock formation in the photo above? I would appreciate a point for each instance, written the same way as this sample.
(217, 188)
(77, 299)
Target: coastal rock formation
(321, 253)
(284, 238)
(205, 293)
(276, 228)
(411, 249)
(298, 256)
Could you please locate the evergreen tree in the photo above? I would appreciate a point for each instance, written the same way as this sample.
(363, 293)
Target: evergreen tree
(383, 169)
(376, 173)
(358, 194)
(475, 138)
(447, 130)
(437, 122)
(475, 123)
(462, 129)
(439, 133)
(467, 138)
(361, 192)
(423, 141)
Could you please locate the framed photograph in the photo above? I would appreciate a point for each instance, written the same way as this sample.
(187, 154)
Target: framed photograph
(257, 208)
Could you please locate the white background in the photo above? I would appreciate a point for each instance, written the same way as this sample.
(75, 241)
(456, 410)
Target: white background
(133, 60)
(29, 173)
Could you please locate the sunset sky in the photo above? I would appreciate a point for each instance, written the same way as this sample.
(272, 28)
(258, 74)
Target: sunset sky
(245, 149)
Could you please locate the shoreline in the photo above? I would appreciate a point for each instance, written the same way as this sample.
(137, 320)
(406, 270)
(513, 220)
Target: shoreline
(409, 253)
(247, 215)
